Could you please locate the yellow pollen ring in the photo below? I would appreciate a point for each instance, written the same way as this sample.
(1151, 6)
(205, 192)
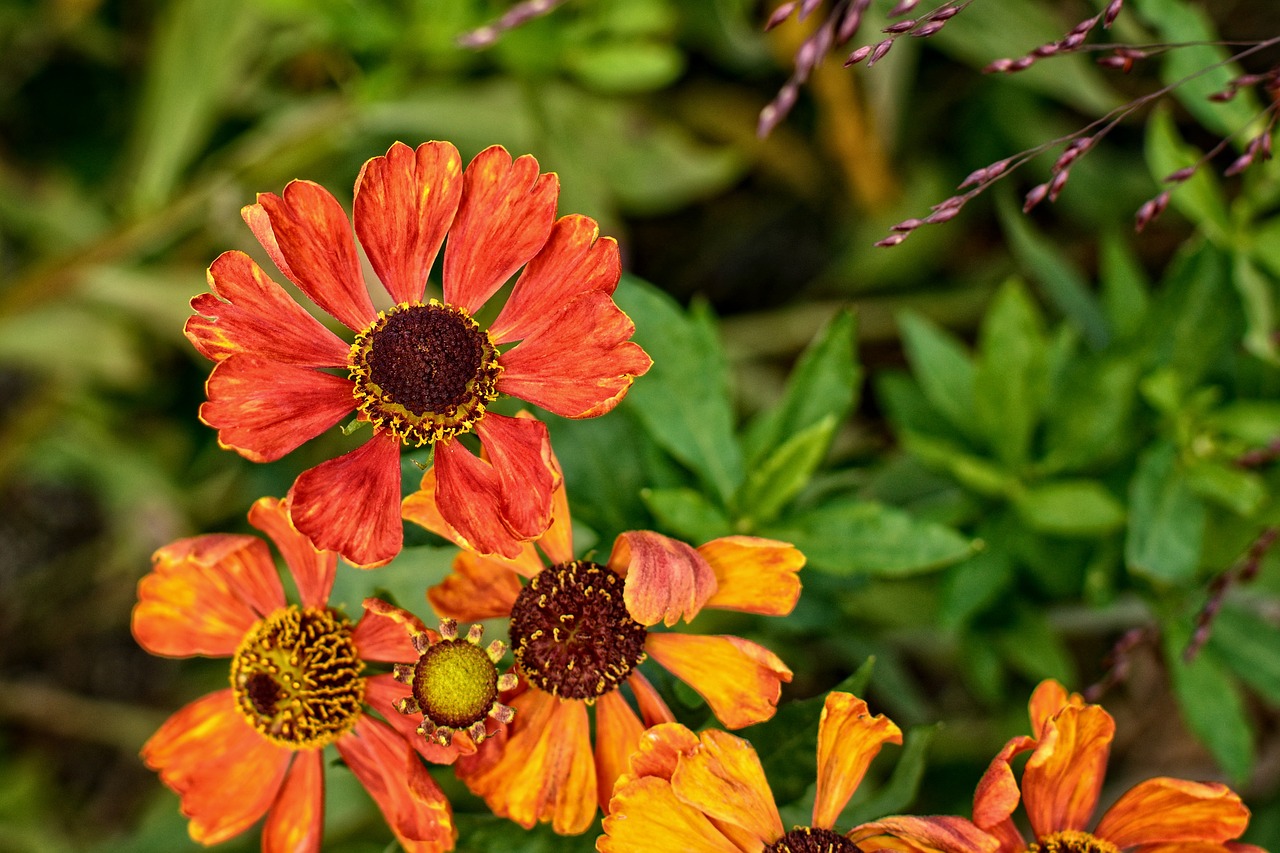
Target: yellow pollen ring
(1072, 841)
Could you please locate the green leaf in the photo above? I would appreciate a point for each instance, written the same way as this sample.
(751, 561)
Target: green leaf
(1255, 422)
(1256, 291)
(781, 475)
(1247, 644)
(973, 472)
(1242, 492)
(1124, 286)
(941, 365)
(1166, 520)
(686, 514)
(971, 586)
(1195, 320)
(637, 65)
(1071, 508)
(1010, 380)
(862, 537)
(903, 785)
(400, 582)
(683, 401)
(1090, 415)
(1033, 649)
(823, 383)
(1199, 197)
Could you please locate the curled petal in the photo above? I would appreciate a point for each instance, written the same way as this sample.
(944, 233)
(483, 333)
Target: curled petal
(1167, 810)
(351, 504)
(723, 779)
(647, 815)
(385, 632)
(313, 571)
(295, 823)
(1047, 700)
(1063, 777)
(617, 735)
(658, 752)
(248, 312)
(753, 575)
(848, 739)
(997, 794)
(477, 588)
(382, 692)
(923, 835)
(665, 579)
(404, 204)
(739, 679)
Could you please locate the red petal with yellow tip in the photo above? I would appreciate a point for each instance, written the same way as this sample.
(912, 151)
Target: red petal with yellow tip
(404, 204)
(477, 588)
(923, 835)
(647, 815)
(248, 312)
(574, 261)
(307, 234)
(295, 823)
(723, 779)
(1165, 810)
(739, 679)
(385, 633)
(617, 735)
(203, 594)
(313, 571)
(665, 578)
(226, 774)
(382, 692)
(754, 575)
(848, 739)
(264, 409)
(1063, 777)
(504, 218)
(351, 504)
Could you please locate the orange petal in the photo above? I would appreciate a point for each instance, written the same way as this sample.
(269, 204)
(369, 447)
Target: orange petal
(581, 364)
(658, 752)
(307, 234)
(557, 541)
(248, 312)
(385, 633)
(1063, 777)
(1200, 847)
(647, 815)
(295, 823)
(652, 709)
(264, 409)
(739, 679)
(544, 771)
(381, 692)
(469, 500)
(404, 204)
(923, 835)
(754, 575)
(1165, 810)
(997, 794)
(723, 779)
(414, 806)
(573, 261)
(313, 571)
(665, 579)
(203, 594)
(351, 504)
(505, 217)
(848, 739)
(226, 774)
(477, 588)
(617, 734)
(1047, 700)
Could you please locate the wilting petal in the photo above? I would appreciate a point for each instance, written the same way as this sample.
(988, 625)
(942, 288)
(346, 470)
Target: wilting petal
(381, 692)
(723, 779)
(414, 806)
(658, 752)
(295, 823)
(545, 770)
(520, 452)
(647, 815)
(385, 633)
(997, 794)
(477, 588)
(581, 365)
(753, 575)
(204, 594)
(665, 578)
(848, 739)
(1047, 700)
(404, 204)
(257, 317)
(352, 504)
(617, 735)
(307, 234)
(1164, 810)
(313, 571)
(264, 409)
(573, 261)
(226, 774)
(1063, 777)
(652, 709)
(739, 679)
(505, 216)
(923, 835)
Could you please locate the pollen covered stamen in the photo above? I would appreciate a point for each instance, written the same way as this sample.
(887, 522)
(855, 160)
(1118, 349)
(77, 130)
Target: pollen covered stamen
(424, 372)
(1072, 841)
(296, 677)
(805, 839)
(572, 634)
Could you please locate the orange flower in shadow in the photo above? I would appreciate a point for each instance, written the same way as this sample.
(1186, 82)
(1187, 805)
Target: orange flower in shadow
(422, 371)
(579, 630)
(708, 793)
(297, 685)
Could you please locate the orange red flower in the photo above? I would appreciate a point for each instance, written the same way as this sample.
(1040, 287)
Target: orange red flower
(708, 793)
(297, 685)
(579, 630)
(421, 371)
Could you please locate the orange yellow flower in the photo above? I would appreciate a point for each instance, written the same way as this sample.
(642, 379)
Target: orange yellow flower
(707, 793)
(1070, 744)
(421, 371)
(579, 630)
(297, 685)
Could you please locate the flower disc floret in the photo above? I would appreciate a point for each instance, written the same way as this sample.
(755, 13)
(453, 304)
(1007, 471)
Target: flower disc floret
(805, 839)
(1072, 841)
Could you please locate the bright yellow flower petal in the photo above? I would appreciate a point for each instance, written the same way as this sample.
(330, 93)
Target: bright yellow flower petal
(754, 575)
(740, 680)
(723, 779)
(647, 815)
(658, 752)
(848, 739)
(617, 736)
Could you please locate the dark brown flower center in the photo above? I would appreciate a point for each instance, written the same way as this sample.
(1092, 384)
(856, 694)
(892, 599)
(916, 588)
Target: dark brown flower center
(804, 839)
(1072, 841)
(424, 372)
(572, 634)
(296, 677)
